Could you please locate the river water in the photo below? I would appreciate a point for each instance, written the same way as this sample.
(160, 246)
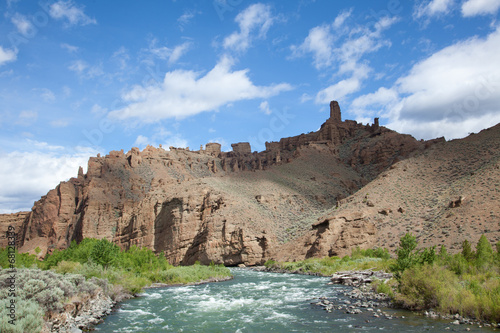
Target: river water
(257, 302)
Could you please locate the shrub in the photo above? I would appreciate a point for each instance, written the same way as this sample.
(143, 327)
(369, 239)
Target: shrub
(29, 317)
(64, 267)
(424, 286)
(270, 263)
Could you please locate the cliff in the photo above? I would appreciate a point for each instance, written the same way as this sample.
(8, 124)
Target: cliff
(227, 207)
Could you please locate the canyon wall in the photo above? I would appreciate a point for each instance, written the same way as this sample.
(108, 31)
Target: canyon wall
(227, 207)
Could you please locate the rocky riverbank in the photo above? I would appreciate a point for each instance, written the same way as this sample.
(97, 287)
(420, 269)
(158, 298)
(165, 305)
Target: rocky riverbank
(363, 299)
(81, 314)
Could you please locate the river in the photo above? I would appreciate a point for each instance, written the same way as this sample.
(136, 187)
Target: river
(257, 302)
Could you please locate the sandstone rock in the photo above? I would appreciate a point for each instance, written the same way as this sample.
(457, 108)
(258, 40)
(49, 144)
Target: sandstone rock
(207, 206)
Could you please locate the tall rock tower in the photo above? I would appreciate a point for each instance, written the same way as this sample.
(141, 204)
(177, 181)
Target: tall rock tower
(335, 112)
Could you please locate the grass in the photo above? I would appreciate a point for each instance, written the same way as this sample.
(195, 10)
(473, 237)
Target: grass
(376, 259)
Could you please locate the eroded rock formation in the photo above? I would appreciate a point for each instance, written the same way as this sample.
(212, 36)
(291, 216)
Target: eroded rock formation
(227, 207)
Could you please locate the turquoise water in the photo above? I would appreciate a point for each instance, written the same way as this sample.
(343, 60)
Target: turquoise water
(256, 302)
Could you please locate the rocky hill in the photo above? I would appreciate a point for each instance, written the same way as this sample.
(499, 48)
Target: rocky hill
(445, 195)
(246, 207)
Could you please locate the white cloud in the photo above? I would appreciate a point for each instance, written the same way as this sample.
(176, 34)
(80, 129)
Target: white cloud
(341, 18)
(480, 7)
(59, 123)
(84, 70)
(70, 48)
(186, 18)
(163, 137)
(454, 91)
(444, 127)
(122, 57)
(264, 107)
(27, 118)
(256, 18)
(433, 8)
(340, 48)
(98, 110)
(186, 93)
(339, 90)
(69, 11)
(319, 42)
(172, 55)
(27, 175)
(23, 25)
(78, 66)
(7, 55)
(47, 95)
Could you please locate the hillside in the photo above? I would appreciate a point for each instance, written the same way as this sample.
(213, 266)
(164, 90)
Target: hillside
(447, 194)
(246, 207)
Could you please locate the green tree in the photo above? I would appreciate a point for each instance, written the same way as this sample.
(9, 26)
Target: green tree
(104, 252)
(484, 252)
(467, 252)
(407, 257)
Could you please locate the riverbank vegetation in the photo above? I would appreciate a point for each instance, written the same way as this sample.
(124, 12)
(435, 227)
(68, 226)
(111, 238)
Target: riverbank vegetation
(43, 287)
(467, 283)
(376, 259)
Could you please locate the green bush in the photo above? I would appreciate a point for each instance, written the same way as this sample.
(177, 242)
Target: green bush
(422, 287)
(104, 252)
(467, 283)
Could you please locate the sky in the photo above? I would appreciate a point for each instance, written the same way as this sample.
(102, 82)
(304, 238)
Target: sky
(78, 78)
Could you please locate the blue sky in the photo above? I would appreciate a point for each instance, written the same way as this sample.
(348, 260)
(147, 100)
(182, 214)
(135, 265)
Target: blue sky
(79, 78)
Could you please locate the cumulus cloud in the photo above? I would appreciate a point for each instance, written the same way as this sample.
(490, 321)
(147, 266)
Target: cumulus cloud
(7, 55)
(480, 7)
(254, 20)
(319, 42)
(186, 93)
(28, 174)
(340, 48)
(73, 14)
(454, 91)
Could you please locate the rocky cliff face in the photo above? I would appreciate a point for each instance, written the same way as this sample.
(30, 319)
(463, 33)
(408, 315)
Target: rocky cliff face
(227, 207)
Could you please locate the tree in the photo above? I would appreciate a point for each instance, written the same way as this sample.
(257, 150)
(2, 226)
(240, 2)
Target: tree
(406, 255)
(104, 252)
(467, 252)
(484, 252)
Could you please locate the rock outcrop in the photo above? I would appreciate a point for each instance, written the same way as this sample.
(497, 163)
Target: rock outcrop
(228, 207)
